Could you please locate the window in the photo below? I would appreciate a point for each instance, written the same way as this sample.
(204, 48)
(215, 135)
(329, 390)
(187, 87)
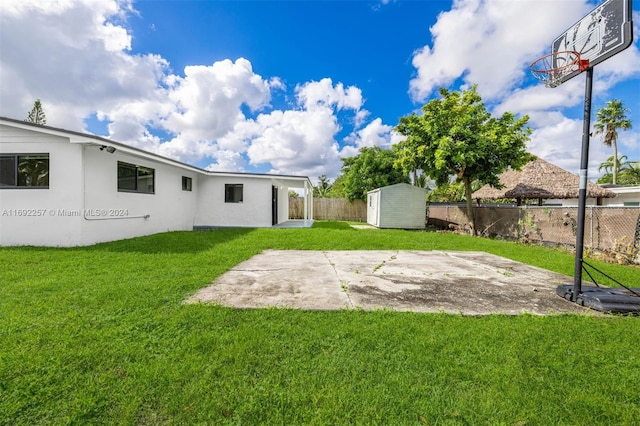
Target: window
(233, 193)
(24, 171)
(631, 204)
(132, 178)
(186, 183)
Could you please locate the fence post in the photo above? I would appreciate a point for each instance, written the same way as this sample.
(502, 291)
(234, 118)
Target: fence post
(591, 225)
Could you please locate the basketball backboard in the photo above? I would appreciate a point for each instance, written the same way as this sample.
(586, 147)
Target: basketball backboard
(602, 33)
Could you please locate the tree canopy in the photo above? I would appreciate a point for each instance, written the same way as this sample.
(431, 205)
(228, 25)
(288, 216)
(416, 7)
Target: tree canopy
(321, 190)
(628, 172)
(36, 115)
(372, 168)
(609, 119)
(456, 136)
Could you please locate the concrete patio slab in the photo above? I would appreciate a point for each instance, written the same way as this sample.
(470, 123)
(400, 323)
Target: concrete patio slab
(469, 283)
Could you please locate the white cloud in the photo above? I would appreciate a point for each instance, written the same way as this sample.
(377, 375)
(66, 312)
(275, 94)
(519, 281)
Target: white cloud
(228, 161)
(561, 144)
(318, 94)
(72, 56)
(297, 140)
(208, 99)
(620, 67)
(629, 140)
(490, 43)
(82, 49)
(373, 134)
(83, 65)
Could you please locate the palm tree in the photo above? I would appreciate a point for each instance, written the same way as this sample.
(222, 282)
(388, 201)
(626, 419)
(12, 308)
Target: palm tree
(608, 120)
(630, 173)
(608, 167)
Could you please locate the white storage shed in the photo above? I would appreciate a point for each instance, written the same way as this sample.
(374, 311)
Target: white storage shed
(400, 206)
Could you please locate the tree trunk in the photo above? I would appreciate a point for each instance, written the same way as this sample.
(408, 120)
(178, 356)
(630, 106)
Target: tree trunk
(615, 161)
(467, 192)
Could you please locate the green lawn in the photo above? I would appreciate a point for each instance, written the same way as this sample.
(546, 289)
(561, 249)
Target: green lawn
(99, 335)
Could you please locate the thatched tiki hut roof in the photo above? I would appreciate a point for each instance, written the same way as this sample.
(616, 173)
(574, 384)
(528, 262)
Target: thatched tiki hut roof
(540, 180)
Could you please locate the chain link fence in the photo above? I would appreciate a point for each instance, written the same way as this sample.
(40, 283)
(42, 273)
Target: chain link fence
(615, 229)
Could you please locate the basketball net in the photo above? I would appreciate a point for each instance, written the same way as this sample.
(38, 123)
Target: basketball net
(551, 69)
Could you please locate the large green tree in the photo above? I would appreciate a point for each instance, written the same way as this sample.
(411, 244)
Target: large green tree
(456, 136)
(372, 168)
(337, 188)
(609, 119)
(36, 115)
(450, 192)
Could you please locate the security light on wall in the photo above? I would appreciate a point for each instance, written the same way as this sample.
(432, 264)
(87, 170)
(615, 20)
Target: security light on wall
(109, 149)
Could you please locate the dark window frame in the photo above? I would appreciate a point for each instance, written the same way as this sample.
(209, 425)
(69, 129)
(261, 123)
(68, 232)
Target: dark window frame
(134, 179)
(187, 183)
(233, 192)
(20, 180)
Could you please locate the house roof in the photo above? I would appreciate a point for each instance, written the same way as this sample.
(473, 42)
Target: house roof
(540, 179)
(86, 138)
(620, 189)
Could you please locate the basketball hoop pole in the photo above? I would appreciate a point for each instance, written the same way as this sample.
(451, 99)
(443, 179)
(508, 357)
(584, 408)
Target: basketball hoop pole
(582, 193)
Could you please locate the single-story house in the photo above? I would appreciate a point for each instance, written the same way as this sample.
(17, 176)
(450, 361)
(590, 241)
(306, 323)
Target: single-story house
(626, 196)
(400, 206)
(65, 188)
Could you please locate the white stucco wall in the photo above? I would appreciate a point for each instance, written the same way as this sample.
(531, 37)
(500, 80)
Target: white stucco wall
(168, 209)
(32, 216)
(83, 206)
(253, 211)
(624, 194)
(82, 189)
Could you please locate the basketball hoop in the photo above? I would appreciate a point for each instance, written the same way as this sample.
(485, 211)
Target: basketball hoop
(551, 69)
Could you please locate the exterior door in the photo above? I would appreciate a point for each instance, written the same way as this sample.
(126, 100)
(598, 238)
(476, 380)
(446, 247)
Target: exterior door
(274, 205)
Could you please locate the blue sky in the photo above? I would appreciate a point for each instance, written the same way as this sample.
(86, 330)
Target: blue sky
(294, 86)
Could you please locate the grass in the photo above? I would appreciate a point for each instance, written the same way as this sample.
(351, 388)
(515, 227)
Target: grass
(99, 335)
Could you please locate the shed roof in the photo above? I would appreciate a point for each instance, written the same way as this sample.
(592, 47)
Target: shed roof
(401, 186)
(540, 179)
